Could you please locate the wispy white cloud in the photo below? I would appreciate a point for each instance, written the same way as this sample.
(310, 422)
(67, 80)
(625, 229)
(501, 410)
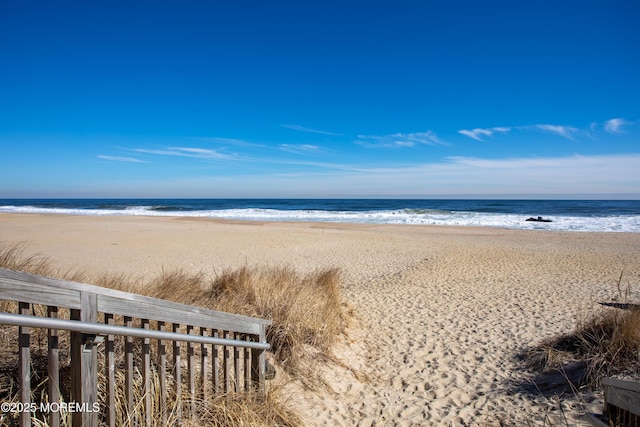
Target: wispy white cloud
(299, 148)
(615, 125)
(478, 133)
(310, 130)
(201, 153)
(565, 131)
(121, 159)
(226, 141)
(538, 163)
(399, 140)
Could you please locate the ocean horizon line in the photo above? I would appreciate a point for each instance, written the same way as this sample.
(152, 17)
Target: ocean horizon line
(514, 196)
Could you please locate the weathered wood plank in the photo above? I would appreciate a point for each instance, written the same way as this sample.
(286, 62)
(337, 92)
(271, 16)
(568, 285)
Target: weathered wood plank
(228, 365)
(53, 367)
(622, 394)
(128, 366)
(24, 359)
(84, 378)
(627, 385)
(175, 313)
(247, 365)
(191, 368)
(110, 367)
(177, 374)
(34, 279)
(204, 367)
(146, 373)
(127, 300)
(237, 364)
(215, 351)
(258, 363)
(162, 373)
(35, 293)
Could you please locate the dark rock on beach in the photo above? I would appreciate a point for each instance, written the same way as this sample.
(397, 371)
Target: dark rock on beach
(539, 219)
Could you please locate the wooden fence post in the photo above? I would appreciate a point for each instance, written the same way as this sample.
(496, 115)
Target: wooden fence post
(215, 361)
(236, 363)
(204, 367)
(53, 367)
(247, 365)
(228, 364)
(146, 374)
(110, 367)
(25, 365)
(84, 367)
(258, 362)
(177, 375)
(128, 368)
(162, 372)
(191, 378)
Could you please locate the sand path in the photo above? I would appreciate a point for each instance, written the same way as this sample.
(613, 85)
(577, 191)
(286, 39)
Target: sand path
(444, 329)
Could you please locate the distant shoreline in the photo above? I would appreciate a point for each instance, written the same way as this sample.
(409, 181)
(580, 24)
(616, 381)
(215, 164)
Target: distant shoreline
(564, 215)
(315, 224)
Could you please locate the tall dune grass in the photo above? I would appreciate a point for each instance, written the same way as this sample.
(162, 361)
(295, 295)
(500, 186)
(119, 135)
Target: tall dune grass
(306, 310)
(606, 341)
(14, 257)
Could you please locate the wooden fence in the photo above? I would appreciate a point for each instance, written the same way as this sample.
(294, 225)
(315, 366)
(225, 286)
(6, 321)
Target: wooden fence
(621, 404)
(139, 336)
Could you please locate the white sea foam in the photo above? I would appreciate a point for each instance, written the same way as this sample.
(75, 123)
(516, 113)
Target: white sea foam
(622, 223)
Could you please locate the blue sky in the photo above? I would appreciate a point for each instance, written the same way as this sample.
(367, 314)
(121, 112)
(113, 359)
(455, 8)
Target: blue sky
(320, 99)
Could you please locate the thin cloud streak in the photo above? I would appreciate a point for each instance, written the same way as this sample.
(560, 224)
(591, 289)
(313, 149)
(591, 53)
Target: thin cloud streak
(399, 140)
(310, 130)
(121, 159)
(612, 126)
(565, 131)
(200, 153)
(226, 141)
(299, 149)
(479, 132)
(568, 132)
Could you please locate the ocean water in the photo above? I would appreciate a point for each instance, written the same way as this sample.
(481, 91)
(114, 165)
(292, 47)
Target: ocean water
(565, 215)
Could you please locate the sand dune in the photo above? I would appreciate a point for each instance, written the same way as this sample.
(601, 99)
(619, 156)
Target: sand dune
(441, 312)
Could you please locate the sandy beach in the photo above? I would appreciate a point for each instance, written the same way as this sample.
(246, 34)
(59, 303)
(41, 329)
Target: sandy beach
(441, 312)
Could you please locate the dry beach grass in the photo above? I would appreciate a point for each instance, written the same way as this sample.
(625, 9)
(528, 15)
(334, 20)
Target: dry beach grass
(606, 343)
(306, 311)
(433, 321)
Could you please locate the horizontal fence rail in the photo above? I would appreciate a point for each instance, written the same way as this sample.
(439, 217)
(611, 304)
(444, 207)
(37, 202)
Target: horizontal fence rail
(100, 328)
(224, 352)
